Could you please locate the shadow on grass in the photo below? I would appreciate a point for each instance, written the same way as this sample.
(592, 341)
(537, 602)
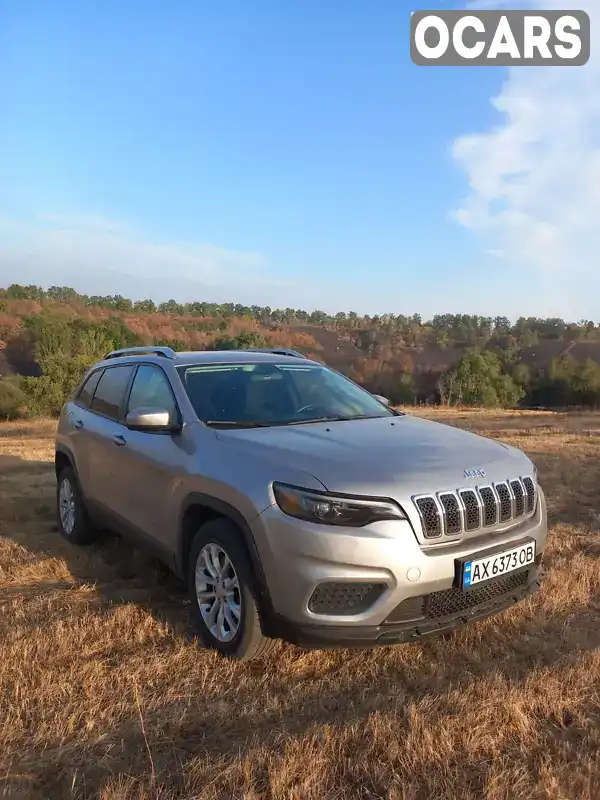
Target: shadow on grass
(119, 571)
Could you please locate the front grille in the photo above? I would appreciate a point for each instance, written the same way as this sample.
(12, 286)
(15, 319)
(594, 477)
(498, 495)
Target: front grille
(344, 598)
(451, 513)
(453, 601)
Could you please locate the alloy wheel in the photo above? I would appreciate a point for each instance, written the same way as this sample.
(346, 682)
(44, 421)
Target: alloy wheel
(66, 500)
(218, 592)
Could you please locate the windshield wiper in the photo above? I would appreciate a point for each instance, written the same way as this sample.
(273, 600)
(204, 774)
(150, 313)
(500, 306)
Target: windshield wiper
(235, 423)
(333, 418)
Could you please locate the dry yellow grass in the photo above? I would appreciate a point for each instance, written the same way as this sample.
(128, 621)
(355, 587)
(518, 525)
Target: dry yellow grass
(102, 695)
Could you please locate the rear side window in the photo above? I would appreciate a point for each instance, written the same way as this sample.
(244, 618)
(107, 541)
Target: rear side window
(84, 398)
(109, 397)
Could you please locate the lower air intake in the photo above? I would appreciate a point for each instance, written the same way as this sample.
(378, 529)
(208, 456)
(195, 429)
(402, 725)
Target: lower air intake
(344, 598)
(452, 601)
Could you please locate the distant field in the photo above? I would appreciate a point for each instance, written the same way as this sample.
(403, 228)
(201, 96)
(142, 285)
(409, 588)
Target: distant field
(103, 696)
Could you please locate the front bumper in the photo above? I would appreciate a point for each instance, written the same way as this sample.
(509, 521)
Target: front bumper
(401, 631)
(298, 557)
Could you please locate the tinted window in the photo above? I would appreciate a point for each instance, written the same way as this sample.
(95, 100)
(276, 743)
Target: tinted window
(110, 393)
(151, 389)
(87, 390)
(276, 394)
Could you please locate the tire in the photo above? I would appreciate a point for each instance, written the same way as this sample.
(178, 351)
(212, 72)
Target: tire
(78, 528)
(241, 633)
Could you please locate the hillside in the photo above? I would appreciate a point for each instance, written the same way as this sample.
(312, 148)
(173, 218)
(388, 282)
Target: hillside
(452, 358)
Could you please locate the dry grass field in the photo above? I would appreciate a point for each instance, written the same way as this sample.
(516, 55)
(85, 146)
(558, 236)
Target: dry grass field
(102, 695)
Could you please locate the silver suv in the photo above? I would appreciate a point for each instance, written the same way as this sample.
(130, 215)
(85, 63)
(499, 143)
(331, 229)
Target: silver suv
(295, 504)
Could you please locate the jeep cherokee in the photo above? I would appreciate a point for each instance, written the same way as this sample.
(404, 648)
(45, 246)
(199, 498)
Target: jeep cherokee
(295, 504)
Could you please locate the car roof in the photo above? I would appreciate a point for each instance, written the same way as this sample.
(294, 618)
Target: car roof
(191, 357)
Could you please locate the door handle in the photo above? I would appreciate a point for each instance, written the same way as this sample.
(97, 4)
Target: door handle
(119, 440)
(78, 424)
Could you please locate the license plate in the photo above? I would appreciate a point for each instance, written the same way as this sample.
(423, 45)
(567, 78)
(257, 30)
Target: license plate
(482, 570)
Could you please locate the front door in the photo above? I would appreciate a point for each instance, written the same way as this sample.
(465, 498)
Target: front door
(149, 465)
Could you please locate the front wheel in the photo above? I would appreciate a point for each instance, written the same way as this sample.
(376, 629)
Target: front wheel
(73, 521)
(223, 592)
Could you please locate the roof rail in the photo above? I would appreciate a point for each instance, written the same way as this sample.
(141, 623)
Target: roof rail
(278, 351)
(165, 352)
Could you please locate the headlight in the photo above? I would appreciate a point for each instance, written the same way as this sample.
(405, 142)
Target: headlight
(327, 509)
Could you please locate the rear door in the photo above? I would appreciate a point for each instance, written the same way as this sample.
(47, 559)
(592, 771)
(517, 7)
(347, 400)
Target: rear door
(105, 436)
(79, 424)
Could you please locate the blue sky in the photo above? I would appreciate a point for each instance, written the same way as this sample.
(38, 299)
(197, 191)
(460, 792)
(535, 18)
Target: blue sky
(273, 152)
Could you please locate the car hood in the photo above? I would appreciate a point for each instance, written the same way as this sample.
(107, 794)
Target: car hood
(390, 456)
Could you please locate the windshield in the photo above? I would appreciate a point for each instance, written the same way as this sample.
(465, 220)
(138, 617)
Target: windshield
(275, 394)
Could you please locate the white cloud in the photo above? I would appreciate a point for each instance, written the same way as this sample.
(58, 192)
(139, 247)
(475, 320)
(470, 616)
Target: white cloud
(85, 222)
(101, 256)
(534, 179)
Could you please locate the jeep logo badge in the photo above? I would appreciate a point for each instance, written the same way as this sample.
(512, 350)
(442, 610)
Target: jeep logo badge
(474, 473)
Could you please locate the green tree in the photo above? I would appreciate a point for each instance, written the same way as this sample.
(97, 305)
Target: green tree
(521, 375)
(403, 391)
(586, 383)
(12, 399)
(144, 306)
(239, 342)
(64, 350)
(476, 379)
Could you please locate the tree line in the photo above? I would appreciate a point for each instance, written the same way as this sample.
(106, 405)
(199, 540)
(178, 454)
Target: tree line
(55, 348)
(443, 329)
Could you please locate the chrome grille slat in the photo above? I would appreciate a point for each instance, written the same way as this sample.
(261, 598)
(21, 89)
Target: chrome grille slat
(472, 507)
(505, 497)
(490, 505)
(519, 497)
(431, 516)
(452, 513)
(529, 487)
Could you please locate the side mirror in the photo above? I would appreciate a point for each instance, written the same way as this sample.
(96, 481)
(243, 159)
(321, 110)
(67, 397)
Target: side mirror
(151, 420)
(382, 399)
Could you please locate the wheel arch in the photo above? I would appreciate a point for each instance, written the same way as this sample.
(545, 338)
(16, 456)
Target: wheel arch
(63, 458)
(200, 508)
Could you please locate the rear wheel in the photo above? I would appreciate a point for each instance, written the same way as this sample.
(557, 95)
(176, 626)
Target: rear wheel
(73, 521)
(223, 590)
